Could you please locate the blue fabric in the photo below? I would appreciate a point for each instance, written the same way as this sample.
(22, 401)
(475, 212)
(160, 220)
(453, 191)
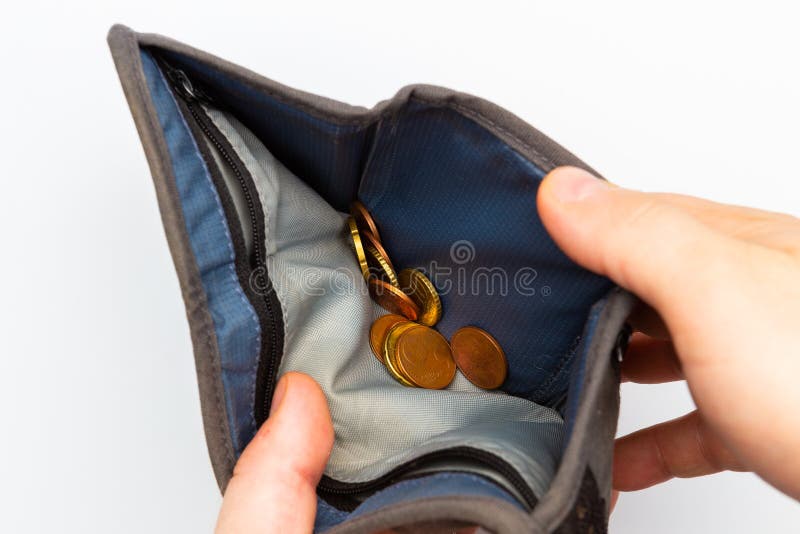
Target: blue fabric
(436, 485)
(328, 516)
(452, 198)
(235, 322)
(327, 156)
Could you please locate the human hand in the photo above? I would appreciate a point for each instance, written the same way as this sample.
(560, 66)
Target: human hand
(274, 481)
(722, 288)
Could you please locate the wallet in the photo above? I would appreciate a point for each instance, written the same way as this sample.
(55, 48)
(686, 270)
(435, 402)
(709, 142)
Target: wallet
(254, 181)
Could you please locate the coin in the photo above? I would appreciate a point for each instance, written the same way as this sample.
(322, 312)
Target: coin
(391, 299)
(359, 248)
(378, 331)
(423, 356)
(390, 351)
(381, 265)
(479, 357)
(369, 239)
(363, 218)
(417, 286)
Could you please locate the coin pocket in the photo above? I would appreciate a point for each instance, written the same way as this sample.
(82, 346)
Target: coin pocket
(327, 313)
(259, 192)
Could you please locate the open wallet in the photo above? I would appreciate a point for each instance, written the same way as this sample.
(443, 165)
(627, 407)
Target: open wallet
(254, 182)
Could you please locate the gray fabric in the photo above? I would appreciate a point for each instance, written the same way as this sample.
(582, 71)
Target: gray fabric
(327, 315)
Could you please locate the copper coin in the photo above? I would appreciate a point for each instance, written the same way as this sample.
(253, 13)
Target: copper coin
(380, 265)
(479, 357)
(391, 299)
(423, 356)
(370, 239)
(359, 247)
(390, 352)
(417, 286)
(363, 218)
(379, 330)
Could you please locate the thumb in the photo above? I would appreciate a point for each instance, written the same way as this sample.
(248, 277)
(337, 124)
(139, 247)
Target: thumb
(642, 242)
(273, 487)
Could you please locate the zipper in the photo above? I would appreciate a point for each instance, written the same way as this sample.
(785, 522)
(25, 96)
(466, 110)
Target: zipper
(194, 98)
(333, 487)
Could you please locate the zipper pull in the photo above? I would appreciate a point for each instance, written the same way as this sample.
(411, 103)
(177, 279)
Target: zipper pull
(183, 85)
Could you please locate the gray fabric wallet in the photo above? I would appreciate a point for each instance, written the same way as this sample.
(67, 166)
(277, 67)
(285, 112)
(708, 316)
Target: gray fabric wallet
(254, 180)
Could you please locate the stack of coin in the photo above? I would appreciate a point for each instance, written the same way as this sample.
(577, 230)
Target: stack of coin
(413, 352)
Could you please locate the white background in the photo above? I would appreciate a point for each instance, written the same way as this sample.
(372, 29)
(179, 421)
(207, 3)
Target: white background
(102, 428)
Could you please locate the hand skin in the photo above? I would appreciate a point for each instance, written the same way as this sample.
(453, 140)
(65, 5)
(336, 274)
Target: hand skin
(273, 488)
(721, 287)
(722, 291)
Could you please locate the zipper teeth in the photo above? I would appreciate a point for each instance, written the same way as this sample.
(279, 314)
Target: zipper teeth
(258, 259)
(235, 168)
(487, 458)
(190, 97)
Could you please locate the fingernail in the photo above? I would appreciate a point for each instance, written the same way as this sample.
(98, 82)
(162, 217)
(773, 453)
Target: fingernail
(570, 184)
(279, 395)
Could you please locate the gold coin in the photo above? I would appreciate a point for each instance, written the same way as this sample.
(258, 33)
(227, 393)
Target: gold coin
(378, 331)
(369, 239)
(391, 299)
(421, 290)
(422, 355)
(381, 267)
(479, 357)
(359, 248)
(363, 219)
(390, 351)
